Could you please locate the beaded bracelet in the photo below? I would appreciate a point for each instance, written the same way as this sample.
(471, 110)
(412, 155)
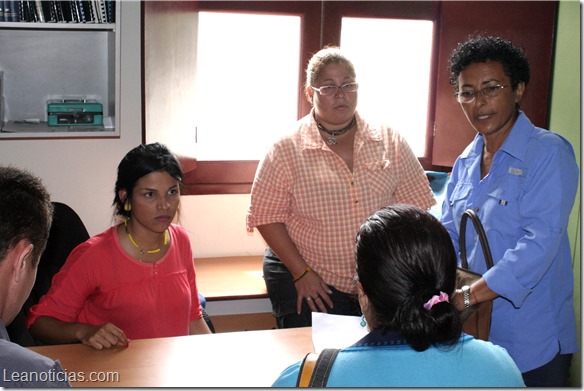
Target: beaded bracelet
(302, 274)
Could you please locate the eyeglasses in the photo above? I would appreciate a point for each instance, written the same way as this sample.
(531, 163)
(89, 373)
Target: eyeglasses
(487, 92)
(330, 90)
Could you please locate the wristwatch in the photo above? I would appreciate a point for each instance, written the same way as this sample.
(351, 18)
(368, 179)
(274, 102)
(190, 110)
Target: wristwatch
(466, 295)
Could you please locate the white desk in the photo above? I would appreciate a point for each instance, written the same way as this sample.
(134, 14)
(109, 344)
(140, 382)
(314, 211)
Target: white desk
(240, 359)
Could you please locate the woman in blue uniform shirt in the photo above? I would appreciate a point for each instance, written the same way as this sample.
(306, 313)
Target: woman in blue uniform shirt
(406, 269)
(521, 180)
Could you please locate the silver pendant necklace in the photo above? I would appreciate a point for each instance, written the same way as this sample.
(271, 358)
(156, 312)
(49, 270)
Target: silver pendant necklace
(331, 140)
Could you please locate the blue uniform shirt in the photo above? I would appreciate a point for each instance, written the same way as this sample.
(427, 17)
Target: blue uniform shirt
(386, 360)
(23, 368)
(524, 204)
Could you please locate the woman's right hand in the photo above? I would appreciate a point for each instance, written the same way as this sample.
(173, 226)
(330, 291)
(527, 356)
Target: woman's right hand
(104, 336)
(309, 287)
(315, 291)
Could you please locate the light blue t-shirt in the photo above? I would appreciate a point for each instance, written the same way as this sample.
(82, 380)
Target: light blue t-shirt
(21, 367)
(470, 363)
(524, 204)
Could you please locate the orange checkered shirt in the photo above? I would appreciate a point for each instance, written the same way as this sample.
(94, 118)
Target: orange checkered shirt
(302, 183)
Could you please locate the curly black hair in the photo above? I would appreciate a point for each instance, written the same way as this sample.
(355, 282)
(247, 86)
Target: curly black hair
(484, 48)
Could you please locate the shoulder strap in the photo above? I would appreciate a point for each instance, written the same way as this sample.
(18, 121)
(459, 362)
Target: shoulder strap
(315, 368)
(469, 213)
(306, 370)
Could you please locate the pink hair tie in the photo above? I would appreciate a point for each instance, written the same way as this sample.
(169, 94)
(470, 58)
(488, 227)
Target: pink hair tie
(435, 300)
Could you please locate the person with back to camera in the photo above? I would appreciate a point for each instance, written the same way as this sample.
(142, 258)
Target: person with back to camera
(317, 185)
(26, 214)
(406, 272)
(136, 279)
(521, 180)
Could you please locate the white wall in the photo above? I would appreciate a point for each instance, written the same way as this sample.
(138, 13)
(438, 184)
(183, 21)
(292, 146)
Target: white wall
(216, 224)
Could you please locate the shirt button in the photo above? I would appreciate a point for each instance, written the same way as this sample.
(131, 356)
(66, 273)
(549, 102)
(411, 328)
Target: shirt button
(356, 201)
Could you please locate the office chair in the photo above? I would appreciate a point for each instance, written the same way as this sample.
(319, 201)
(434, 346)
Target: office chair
(438, 183)
(67, 231)
(206, 316)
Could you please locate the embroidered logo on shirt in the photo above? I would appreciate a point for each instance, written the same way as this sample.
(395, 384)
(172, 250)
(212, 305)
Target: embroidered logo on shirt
(515, 171)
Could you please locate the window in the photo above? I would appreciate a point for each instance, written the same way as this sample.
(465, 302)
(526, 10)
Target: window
(171, 31)
(246, 83)
(238, 103)
(394, 80)
(248, 86)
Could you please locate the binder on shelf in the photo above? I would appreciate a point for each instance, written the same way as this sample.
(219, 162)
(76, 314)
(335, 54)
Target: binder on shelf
(102, 11)
(80, 10)
(111, 11)
(11, 11)
(96, 11)
(29, 13)
(60, 15)
(74, 13)
(58, 11)
(88, 11)
(39, 11)
(50, 11)
(67, 11)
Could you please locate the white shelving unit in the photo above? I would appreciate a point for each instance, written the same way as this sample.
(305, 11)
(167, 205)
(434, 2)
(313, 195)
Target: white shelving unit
(43, 60)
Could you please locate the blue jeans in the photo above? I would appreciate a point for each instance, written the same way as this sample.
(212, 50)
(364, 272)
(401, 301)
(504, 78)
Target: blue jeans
(283, 295)
(553, 374)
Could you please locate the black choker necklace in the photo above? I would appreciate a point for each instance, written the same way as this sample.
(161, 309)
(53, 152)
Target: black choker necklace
(331, 140)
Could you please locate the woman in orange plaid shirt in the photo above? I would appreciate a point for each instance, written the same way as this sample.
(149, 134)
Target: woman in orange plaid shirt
(317, 185)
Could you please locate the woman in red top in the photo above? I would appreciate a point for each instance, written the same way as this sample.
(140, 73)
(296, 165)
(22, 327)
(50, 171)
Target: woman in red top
(135, 280)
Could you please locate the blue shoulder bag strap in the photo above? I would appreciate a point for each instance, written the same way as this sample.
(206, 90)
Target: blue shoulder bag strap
(315, 368)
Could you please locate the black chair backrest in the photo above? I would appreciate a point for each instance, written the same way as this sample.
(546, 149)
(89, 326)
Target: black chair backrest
(67, 232)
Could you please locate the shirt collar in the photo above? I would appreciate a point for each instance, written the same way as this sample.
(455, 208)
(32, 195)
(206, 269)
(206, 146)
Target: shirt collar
(381, 337)
(385, 337)
(513, 145)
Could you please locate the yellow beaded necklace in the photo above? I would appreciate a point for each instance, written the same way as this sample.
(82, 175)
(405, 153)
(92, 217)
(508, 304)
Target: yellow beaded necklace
(142, 251)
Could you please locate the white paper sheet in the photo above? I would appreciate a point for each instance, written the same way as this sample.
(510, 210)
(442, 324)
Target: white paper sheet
(335, 331)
